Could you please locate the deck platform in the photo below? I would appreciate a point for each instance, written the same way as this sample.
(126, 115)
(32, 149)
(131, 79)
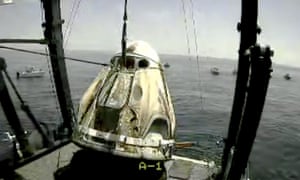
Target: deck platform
(71, 162)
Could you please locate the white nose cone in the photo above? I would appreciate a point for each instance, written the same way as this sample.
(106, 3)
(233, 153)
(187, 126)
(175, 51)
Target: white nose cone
(144, 49)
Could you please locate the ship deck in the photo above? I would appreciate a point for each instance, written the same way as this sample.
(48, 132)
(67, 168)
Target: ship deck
(72, 162)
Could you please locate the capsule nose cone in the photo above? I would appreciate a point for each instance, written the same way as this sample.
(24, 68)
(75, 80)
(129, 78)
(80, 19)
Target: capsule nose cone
(143, 48)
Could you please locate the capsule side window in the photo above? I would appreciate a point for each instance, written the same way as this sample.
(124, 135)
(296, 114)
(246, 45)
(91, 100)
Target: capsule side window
(143, 63)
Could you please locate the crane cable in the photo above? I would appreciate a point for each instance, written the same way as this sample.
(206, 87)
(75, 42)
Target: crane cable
(197, 56)
(67, 35)
(196, 47)
(70, 23)
(186, 30)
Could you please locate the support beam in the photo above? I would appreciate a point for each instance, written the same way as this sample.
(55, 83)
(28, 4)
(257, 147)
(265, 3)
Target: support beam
(24, 41)
(10, 112)
(259, 81)
(248, 29)
(7, 104)
(53, 33)
(46, 54)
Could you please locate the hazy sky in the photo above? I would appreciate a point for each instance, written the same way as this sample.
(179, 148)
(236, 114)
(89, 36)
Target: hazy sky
(98, 24)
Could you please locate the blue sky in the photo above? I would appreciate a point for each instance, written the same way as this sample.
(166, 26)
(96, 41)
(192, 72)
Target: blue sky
(98, 24)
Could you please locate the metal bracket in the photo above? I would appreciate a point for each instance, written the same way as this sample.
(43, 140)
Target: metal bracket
(239, 28)
(56, 23)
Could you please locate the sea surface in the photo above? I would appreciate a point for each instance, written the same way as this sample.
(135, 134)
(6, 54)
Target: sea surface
(202, 103)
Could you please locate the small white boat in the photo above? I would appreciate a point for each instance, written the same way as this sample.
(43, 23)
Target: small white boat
(31, 72)
(215, 71)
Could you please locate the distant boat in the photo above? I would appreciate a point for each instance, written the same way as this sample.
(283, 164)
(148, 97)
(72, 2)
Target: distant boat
(287, 76)
(6, 2)
(215, 71)
(31, 72)
(166, 65)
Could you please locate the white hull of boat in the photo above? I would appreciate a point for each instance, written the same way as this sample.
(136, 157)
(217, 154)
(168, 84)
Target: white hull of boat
(215, 71)
(32, 74)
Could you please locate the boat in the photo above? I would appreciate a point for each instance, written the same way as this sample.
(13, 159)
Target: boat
(6, 2)
(166, 65)
(287, 76)
(133, 151)
(215, 71)
(31, 72)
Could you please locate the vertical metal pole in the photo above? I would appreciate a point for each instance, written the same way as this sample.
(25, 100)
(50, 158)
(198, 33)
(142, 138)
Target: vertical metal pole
(124, 35)
(259, 81)
(248, 29)
(53, 33)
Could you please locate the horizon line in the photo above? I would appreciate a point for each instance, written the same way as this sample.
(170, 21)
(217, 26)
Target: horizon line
(163, 53)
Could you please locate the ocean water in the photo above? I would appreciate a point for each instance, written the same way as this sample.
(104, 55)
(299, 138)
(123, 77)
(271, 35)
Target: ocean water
(202, 104)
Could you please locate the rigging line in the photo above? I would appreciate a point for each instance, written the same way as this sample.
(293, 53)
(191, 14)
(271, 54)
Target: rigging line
(197, 54)
(71, 16)
(186, 30)
(44, 54)
(70, 30)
